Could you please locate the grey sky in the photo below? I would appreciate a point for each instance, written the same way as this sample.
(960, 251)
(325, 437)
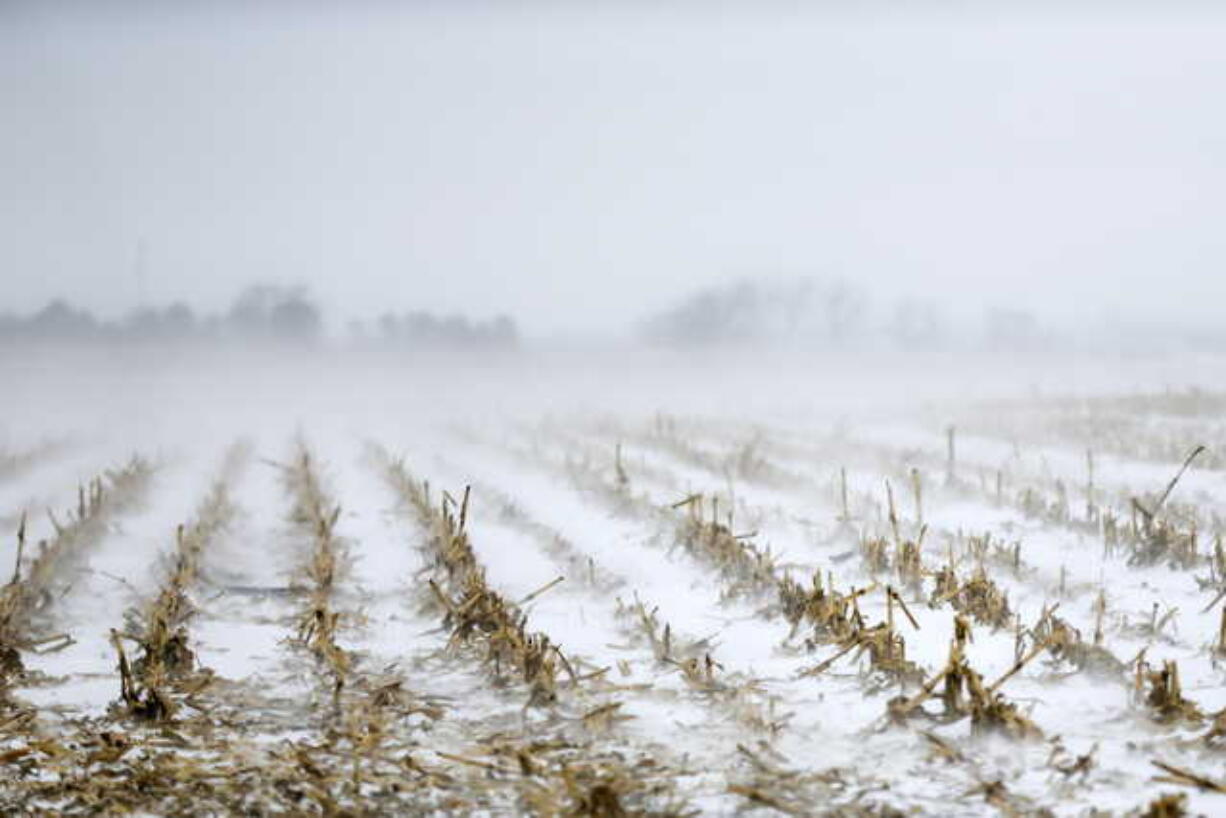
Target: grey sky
(580, 168)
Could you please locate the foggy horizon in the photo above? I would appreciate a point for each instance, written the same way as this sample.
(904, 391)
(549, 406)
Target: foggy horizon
(634, 409)
(581, 170)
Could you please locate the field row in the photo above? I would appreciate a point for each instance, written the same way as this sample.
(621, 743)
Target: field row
(607, 616)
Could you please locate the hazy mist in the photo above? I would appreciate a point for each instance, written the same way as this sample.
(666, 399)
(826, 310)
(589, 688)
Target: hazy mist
(607, 409)
(580, 169)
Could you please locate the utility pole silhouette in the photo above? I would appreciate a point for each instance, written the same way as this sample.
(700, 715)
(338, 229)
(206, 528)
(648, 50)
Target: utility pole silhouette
(140, 267)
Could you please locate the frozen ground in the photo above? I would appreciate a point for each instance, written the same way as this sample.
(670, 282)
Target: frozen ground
(684, 676)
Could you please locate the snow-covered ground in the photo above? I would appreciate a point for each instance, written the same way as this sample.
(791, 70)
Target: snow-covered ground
(579, 476)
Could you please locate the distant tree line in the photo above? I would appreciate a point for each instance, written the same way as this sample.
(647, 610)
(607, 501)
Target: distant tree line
(833, 312)
(752, 310)
(264, 313)
(424, 329)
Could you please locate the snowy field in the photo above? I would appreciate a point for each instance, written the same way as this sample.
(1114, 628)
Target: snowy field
(344, 588)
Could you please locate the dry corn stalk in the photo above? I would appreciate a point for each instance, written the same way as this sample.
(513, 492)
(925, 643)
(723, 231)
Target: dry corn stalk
(747, 567)
(24, 598)
(963, 694)
(1164, 697)
(318, 516)
(473, 612)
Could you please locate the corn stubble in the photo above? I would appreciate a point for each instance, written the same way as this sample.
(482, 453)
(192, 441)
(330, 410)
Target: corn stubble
(573, 767)
(26, 599)
(367, 743)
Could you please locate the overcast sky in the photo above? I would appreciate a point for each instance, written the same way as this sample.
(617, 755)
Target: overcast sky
(581, 168)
